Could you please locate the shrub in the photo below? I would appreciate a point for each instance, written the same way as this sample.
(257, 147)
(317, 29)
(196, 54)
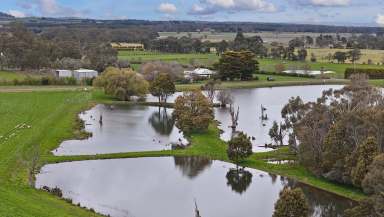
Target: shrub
(239, 147)
(371, 73)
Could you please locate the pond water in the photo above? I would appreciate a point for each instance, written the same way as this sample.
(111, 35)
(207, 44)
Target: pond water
(124, 129)
(169, 186)
(250, 101)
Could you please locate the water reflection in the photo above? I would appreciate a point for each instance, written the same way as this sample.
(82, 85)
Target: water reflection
(239, 179)
(321, 203)
(124, 129)
(152, 187)
(162, 121)
(191, 167)
(252, 102)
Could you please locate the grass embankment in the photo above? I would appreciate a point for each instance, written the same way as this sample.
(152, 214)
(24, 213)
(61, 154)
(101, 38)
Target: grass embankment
(52, 117)
(279, 81)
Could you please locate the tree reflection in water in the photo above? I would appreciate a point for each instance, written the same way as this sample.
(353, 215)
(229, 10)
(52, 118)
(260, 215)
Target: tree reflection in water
(322, 204)
(191, 167)
(162, 121)
(239, 179)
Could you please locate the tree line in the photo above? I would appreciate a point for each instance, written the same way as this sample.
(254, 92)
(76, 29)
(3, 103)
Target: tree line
(340, 137)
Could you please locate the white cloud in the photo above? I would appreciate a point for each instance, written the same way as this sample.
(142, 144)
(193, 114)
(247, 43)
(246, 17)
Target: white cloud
(380, 19)
(50, 8)
(167, 8)
(16, 13)
(331, 2)
(213, 6)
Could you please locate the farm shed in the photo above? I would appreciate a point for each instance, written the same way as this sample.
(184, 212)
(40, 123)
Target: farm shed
(85, 73)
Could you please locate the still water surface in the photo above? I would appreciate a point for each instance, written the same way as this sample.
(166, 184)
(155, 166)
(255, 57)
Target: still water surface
(142, 128)
(249, 101)
(124, 129)
(168, 186)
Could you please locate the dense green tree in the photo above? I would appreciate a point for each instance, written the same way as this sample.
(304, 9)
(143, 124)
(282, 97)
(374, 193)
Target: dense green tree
(373, 185)
(364, 156)
(340, 56)
(237, 65)
(276, 133)
(193, 112)
(302, 54)
(239, 147)
(162, 87)
(122, 83)
(292, 203)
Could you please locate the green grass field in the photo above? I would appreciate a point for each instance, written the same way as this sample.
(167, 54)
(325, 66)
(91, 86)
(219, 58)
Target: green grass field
(10, 76)
(50, 116)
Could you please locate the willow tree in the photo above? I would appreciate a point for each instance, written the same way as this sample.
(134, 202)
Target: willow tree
(122, 83)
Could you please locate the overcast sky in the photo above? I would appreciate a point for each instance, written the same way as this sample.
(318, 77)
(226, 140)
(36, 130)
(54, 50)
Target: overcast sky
(339, 12)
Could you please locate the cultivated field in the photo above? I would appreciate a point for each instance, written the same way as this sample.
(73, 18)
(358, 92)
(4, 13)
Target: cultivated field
(376, 56)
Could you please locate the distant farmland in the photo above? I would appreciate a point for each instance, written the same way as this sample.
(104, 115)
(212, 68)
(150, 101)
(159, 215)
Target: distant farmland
(268, 37)
(138, 57)
(376, 56)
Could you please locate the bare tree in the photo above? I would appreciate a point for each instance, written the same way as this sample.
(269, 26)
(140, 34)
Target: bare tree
(225, 98)
(234, 116)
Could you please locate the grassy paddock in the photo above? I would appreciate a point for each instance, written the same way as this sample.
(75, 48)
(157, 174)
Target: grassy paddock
(6, 76)
(51, 116)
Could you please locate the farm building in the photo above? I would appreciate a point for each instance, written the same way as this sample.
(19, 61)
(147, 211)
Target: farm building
(308, 72)
(128, 46)
(85, 73)
(199, 72)
(78, 74)
(63, 73)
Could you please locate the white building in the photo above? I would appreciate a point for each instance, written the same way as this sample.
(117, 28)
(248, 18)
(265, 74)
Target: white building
(85, 73)
(199, 72)
(64, 73)
(308, 72)
(78, 74)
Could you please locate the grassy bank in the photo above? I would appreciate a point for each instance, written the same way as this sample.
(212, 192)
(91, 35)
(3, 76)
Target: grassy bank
(51, 116)
(279, 81)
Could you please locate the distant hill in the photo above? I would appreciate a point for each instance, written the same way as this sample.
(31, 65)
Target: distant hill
(39, 23)
(4, 16)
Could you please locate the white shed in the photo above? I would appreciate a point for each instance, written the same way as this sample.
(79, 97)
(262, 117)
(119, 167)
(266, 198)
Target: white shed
(85, 73)
(63, 73)
(200, 72)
